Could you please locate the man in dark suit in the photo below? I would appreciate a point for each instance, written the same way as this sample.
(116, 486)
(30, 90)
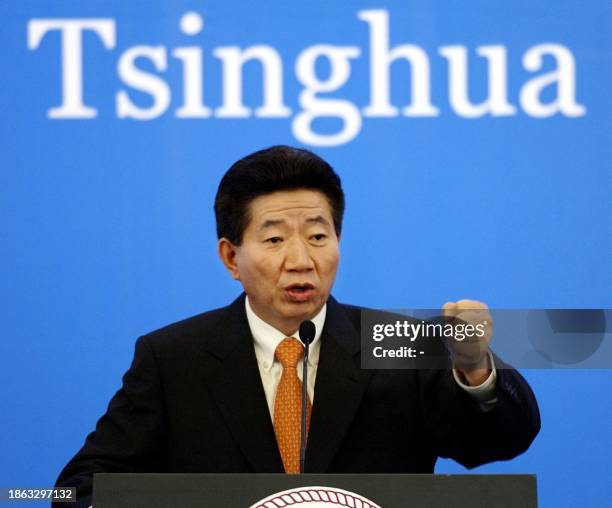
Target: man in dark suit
(211, 393)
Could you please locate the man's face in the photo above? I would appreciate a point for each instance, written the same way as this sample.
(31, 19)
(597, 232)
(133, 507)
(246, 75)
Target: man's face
(289, 256)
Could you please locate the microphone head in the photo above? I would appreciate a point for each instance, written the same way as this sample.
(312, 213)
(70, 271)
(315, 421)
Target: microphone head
(307, 332)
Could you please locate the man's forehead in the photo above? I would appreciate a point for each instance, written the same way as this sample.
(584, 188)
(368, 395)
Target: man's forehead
(311, 206)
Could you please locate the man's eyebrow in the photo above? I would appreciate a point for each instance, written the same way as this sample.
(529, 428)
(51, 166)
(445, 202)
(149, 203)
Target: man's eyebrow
(319, 219)
(271, 223)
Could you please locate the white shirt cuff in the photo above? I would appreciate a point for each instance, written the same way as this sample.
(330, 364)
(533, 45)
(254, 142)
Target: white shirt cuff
(484, 393)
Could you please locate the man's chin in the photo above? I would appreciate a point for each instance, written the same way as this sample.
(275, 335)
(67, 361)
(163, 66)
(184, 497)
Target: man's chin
(303, 310)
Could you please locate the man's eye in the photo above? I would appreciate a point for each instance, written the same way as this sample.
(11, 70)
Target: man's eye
(274, 239)
(319, 237)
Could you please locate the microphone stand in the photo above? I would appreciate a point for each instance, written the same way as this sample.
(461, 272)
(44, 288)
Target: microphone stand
(304, 399)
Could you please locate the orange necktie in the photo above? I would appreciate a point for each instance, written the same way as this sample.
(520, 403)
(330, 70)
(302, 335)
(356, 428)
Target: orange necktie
(288, 404)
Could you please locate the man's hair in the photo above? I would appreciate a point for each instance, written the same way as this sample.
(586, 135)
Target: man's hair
(278, 168)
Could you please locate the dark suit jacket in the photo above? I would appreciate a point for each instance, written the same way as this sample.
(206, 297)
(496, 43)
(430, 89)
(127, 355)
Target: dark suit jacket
(193, 401)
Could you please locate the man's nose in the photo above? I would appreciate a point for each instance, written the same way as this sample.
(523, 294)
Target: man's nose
(298, 256)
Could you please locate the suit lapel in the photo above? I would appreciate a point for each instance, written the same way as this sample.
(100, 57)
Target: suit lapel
(237, 389)
(339, 387)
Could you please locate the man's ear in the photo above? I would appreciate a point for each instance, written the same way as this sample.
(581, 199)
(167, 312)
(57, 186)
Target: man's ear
(227, 253)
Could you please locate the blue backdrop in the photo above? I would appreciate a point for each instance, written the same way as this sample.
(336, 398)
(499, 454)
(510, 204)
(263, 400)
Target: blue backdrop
(473, 140)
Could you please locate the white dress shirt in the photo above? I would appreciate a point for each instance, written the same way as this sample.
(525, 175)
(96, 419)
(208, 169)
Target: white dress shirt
(267, 338)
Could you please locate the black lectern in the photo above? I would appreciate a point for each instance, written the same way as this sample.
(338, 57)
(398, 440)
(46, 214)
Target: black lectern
(313, 491)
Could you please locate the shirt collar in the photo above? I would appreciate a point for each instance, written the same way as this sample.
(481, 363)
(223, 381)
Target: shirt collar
(267, 338)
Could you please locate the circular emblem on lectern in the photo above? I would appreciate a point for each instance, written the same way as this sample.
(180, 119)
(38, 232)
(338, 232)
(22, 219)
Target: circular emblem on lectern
(315, 497)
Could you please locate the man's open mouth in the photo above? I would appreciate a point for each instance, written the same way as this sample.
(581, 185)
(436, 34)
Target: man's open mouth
(300, 292)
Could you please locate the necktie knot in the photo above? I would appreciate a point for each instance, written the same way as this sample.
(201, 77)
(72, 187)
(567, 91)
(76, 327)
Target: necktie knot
(289, 352)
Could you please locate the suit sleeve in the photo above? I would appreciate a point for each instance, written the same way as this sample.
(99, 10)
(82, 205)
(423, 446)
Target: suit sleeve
(127, 438)
(463, 432)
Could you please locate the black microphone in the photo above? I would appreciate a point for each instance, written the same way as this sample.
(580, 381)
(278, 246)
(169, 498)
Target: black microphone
(307, 334)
